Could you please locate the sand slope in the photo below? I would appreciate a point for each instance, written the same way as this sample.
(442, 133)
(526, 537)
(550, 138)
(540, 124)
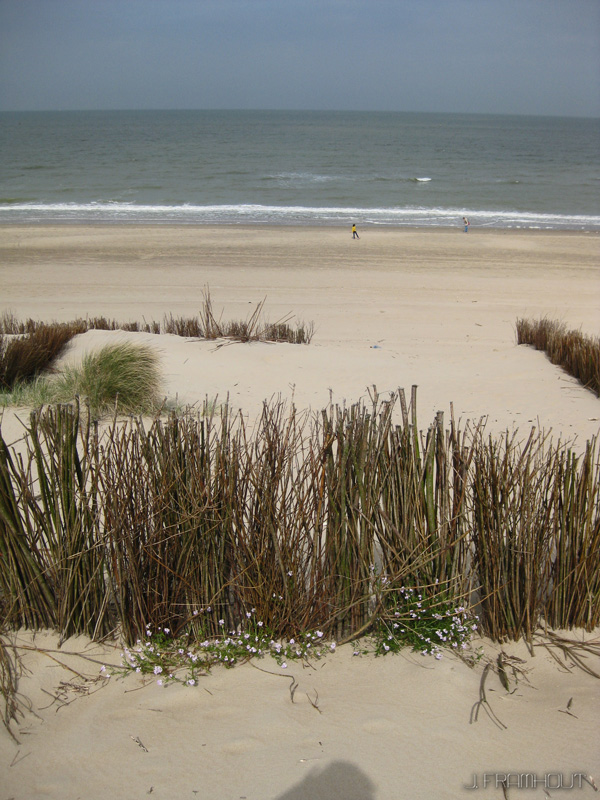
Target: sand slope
(396, 308)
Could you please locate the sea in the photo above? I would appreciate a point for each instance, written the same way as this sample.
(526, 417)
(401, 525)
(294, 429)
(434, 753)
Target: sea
(299, 168)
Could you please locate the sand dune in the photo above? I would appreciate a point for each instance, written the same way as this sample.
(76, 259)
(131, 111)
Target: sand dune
(396, 308)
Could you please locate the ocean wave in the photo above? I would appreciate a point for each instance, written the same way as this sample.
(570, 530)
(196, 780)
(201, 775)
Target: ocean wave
(120, 212)
(301, 178)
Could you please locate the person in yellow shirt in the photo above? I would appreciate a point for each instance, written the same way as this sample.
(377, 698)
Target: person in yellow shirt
(354, 233)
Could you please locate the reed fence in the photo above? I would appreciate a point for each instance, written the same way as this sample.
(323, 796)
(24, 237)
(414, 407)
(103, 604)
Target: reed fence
(304, 521)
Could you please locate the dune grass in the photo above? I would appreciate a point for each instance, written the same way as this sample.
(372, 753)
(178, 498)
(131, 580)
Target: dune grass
(576, 353)
(122, 376)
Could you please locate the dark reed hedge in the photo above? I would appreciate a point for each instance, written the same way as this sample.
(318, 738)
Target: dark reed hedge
(24, 358)
(578, 354)
(314, 522)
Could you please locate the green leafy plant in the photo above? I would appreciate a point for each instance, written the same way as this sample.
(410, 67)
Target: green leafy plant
(171, 658)
(424, 623)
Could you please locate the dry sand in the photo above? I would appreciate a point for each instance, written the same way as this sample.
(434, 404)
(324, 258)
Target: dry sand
(395, 308)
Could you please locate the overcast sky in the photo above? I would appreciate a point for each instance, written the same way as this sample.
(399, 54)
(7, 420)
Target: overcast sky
(488, 56)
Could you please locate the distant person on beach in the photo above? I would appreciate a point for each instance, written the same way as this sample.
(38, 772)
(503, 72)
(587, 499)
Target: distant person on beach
(354, 233)
(466, 223)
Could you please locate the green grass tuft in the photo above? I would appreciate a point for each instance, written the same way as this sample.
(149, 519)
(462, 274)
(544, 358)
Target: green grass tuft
(123, 374)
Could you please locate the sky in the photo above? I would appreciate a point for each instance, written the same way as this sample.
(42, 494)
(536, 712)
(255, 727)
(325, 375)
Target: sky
(469, 56)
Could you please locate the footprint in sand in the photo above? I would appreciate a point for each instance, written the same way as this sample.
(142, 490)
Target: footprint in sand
(380, 725)
(240, 746)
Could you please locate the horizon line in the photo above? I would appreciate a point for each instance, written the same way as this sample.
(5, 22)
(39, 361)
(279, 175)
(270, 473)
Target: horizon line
(295, 110)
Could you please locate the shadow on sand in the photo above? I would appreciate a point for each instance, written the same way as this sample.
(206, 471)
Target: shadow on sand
(340, 779)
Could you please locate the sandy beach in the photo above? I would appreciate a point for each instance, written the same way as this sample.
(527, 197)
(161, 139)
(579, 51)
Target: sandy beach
(434, 308)
(398, 307)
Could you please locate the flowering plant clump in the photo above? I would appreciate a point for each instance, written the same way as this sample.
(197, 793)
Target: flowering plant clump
(172, 659)
(427, 624)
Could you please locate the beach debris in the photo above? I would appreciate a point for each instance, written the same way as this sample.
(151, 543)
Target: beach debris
(567, 710)
(314, 703)
(138, 741)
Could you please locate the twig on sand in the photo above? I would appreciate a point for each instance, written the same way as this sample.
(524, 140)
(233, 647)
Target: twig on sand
(576, 651)
(137, 740)
(314, 703)
(483, 702)
(291, 678)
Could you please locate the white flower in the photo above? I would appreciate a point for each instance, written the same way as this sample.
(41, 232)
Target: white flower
(332, 645)
(159, 682)
(221, 622)
(167, 630)
(195, 612)
(260, 624)
(157, 670)
(284, 665)
(319, 633)
(191, 682)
